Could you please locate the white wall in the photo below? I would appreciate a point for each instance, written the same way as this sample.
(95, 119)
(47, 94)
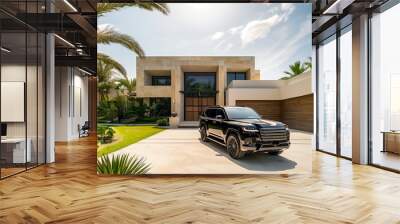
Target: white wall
(269, 89)
(71, 102)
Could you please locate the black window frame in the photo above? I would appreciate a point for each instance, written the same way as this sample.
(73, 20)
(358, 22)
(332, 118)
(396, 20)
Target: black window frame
(236, 76)
(156, 78)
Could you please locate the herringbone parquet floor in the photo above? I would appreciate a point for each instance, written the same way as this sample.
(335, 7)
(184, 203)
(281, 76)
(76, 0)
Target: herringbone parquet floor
(69, 191)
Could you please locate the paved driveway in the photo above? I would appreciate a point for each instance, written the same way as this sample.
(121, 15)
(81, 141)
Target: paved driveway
(180, 151)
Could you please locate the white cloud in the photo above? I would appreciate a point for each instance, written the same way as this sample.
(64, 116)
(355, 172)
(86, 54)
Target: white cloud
(257, 29)
(287, 7)
(236, 29)
(217, 35)
(274, 64)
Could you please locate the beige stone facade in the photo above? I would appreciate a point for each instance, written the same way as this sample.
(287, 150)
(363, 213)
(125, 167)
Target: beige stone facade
(176, 67)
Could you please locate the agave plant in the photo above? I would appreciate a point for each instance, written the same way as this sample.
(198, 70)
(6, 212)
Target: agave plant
(124, 164)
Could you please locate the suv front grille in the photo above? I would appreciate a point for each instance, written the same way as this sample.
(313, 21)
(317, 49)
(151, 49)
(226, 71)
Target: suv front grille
(274, 134)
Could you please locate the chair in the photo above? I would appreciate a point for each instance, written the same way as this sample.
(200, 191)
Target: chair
(84, 130)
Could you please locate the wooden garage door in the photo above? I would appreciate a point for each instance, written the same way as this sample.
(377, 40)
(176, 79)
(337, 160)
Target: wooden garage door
(298, 112)
(268, 109)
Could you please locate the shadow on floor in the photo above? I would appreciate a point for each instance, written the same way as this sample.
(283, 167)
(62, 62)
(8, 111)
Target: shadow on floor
(255, 161)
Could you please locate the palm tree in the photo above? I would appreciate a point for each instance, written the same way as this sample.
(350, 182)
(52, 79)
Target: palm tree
(103, 8)
(129, 85)
(107, 73)
(297, 68)
(308, 63)
(107, 66)
(108, 35)
(116, 65)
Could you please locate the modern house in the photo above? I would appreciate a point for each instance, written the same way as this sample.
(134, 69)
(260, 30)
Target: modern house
(191, 83)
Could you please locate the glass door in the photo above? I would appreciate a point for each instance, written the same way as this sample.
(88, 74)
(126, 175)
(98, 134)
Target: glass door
(199, 93)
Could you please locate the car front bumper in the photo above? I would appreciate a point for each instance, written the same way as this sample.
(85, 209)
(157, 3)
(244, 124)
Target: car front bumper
(264, 147)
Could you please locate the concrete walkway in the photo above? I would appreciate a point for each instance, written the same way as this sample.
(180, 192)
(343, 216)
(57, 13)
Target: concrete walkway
(180, 151)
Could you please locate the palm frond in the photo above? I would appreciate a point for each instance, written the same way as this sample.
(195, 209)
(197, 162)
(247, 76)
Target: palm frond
(109, 35)
(103, 8)
(108, 60)
(124, 164)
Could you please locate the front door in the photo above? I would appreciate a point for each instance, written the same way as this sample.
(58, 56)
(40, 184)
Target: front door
(199, 92)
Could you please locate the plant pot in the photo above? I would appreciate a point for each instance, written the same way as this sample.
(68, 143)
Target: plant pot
(107, 140)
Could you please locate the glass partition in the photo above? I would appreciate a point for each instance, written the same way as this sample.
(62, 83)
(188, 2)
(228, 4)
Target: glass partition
(385, 89)
(346, 92)
(327, 95)
(13, 86)
(22, 91)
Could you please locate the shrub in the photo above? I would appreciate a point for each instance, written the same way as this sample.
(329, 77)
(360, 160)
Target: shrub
(105, 134)
(162, 122)
(124, 164)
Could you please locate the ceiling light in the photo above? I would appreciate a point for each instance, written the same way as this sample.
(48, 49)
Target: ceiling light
(70, 5)
(64, 40)
(5, 50)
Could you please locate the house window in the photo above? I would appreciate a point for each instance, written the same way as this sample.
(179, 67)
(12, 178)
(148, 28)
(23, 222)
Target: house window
(236, 76)
(161, 80)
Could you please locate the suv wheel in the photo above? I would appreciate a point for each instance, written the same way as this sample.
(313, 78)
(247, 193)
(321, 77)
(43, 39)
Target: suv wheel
(233, 147)
(203, 134)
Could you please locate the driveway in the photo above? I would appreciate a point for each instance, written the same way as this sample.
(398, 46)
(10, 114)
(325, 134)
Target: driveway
(180, 151)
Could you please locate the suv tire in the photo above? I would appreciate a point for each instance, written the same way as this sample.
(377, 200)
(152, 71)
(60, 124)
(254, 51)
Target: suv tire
(203, 134)
(233, 147)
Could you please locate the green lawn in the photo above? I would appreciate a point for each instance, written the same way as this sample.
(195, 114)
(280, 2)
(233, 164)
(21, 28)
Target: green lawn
(127, 135)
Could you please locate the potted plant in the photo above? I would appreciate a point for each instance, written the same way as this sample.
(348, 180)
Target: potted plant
(105, 134)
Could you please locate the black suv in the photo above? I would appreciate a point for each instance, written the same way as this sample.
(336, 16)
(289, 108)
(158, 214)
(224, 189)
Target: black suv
(242, 130)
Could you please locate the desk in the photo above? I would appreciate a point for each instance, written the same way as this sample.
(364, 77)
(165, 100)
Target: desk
(391, 141)
(13, 150)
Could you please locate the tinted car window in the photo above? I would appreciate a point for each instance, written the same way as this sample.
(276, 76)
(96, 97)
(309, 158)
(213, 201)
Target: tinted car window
(210, 113)
(241, 113)
(219, 112)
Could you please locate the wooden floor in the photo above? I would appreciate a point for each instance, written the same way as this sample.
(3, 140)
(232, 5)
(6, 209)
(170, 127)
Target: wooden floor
(69, 191)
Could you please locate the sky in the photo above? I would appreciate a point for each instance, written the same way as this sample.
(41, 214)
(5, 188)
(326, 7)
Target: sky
(276, 34)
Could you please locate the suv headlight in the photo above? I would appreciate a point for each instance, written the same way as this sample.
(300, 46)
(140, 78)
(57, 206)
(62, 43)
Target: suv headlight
(250, 129)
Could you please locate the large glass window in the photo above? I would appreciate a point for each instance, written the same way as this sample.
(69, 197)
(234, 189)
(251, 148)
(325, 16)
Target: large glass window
(235, 76)
(346, 92)
(385, 89)
(161, 80)
(200, 90)
(327, 95)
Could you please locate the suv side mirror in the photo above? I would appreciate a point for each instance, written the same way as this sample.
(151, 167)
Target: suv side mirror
(219, 117)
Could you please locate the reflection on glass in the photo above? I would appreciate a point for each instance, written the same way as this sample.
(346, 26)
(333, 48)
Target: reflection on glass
(14, 153)
(327, 96)
(199, 94)
(346, 93)
(235, 76)
(385, 83)
(200, 83)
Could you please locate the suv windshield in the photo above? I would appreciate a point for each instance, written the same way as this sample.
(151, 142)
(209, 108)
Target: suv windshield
(241, 113)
